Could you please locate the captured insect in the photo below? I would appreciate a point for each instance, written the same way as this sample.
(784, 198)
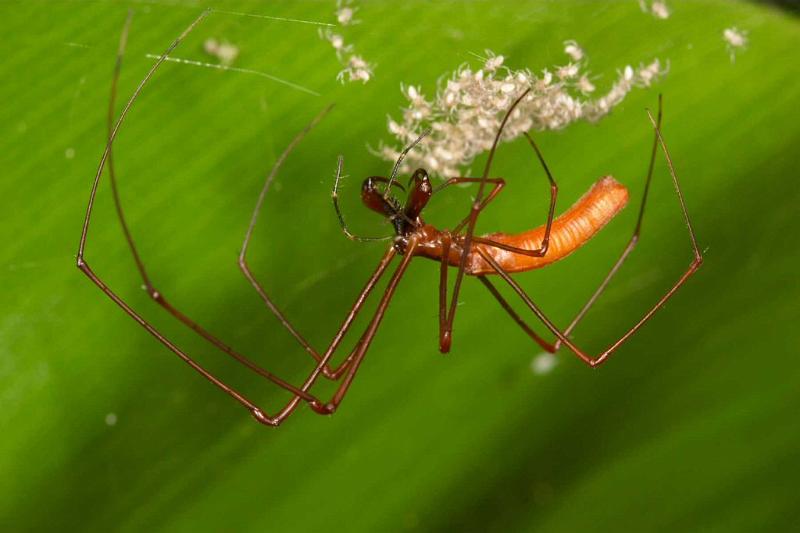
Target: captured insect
(496, 254)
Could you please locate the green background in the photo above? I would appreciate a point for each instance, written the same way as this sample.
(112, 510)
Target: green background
(691, 426)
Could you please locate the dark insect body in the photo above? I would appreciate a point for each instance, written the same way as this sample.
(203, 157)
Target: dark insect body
(480, 256)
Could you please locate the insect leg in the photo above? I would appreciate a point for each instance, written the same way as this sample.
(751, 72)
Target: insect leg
(84, 266)
(604, 355)
(633, 240)
(327, 371)
(542, 249)
(520, 322)
(445, 338)
(324, 359)
(156, 295)
(498, 184)
(340, 216)
(369, 334)
(357, 357)
(477, 206)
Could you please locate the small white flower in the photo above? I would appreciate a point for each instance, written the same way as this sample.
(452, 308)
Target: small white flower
(568, 71)
(657, 8)
(224, 51)
(493, 63)
(345, 13)
(355, 67)
(628, 73)
(585, 86)
(544, 363)
(735, 39)
(574, 51)
(357, 62)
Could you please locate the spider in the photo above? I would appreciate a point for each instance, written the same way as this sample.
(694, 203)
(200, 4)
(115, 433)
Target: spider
(496, 254)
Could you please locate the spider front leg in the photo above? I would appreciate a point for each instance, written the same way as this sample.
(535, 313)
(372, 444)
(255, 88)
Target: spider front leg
(327, 371)
(155, 294)
(357, 357)
(84, 267)
(323, 359)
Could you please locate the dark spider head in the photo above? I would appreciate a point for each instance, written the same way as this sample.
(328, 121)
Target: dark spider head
(404, 218)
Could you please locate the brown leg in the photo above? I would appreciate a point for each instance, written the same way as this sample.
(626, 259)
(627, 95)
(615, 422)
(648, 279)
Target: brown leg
(343, 329)
(300, 394)
(327, 371)
(357, 356)
(521, 323)
(339, 215)
(538, 252)
(445, 338)
(628, 249)
(603, 356)
(478, 204)
(498, 183)
(84, 266)
(369, 334)
(631, 243)
(156, 295)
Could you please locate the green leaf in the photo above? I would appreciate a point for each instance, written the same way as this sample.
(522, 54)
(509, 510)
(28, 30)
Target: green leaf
(690, 426)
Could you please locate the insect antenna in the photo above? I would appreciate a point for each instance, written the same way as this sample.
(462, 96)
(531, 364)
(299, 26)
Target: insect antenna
(340, 216)
(403, 154)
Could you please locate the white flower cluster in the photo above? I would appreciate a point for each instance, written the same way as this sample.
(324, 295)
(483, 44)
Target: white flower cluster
(657, 8)
(469, 105)
(355, 67)
(735, 39)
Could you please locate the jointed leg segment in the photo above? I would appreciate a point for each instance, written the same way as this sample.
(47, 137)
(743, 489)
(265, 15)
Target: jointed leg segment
(156, 295)
(301, 393)
(86, 269)
(695, 264)
(446, 319)
(634, 238)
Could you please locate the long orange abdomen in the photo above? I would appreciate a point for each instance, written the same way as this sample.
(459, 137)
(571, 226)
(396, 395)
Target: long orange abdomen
(570, 231)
